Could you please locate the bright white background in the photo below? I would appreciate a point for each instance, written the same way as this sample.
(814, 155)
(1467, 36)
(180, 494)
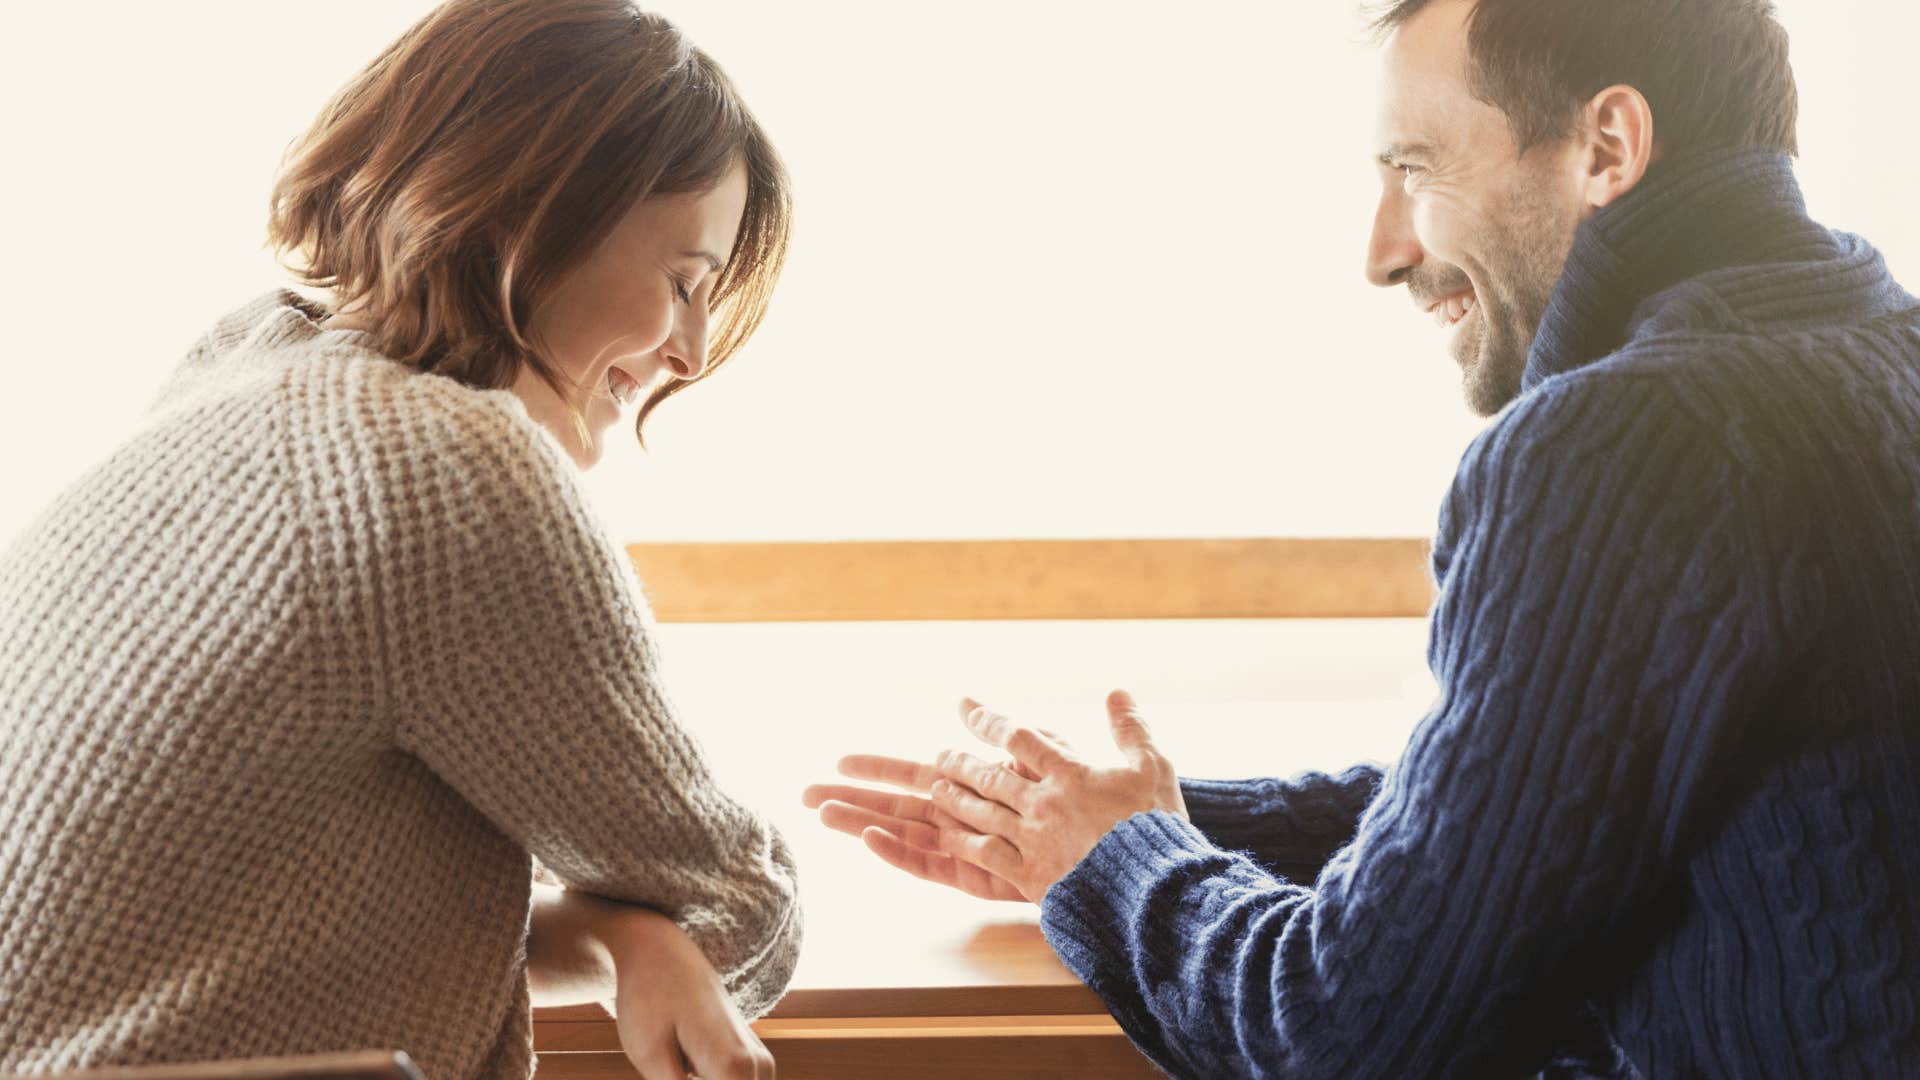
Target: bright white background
(1063, 269)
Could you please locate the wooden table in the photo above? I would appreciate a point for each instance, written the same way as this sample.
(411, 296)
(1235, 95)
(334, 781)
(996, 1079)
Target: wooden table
(994, 1004)
(903, 980)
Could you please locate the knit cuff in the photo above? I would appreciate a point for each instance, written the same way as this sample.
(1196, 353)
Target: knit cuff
(1085, 915)
(1290, 826)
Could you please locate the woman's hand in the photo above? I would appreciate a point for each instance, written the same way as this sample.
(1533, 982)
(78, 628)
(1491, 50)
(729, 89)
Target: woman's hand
(674, 1016)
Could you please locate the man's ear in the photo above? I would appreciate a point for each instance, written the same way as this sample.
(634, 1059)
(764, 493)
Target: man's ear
(1618, 124)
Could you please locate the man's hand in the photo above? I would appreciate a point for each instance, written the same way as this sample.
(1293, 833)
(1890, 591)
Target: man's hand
(1003, 831)
(673, 1014)
(1032, 826)
(904, 830)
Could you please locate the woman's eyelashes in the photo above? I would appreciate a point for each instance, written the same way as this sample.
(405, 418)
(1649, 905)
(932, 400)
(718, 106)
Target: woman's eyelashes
(682, 290)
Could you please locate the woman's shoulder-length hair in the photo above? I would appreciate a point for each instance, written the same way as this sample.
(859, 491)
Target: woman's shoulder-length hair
(448, 188)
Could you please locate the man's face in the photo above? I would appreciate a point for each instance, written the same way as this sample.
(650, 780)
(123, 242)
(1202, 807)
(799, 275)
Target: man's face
(1477, 232)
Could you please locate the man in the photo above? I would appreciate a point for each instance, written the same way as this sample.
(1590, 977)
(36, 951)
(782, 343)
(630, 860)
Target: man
(1664, 818)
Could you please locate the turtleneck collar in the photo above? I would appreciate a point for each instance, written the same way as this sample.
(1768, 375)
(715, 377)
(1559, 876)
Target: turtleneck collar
(1688, 217)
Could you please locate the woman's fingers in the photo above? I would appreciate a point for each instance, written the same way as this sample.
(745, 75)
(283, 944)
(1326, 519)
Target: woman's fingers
(723, 1047)
(658, 1060)
(897, 772)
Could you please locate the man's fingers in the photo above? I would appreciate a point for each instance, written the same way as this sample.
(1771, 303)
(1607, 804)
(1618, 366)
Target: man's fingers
(990, 853)
(976, 813)
(941, 869)
(977, 882)
(1051, 737)
(910, 807)
(1130, 732)
(898, 772)
(1038, 754)
(904, 808)
(856, 820)
(993, 781)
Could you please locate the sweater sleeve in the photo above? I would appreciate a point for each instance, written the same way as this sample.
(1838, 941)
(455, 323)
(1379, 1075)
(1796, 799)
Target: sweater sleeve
(1288, 826)
(518, 650)
(1607, 620)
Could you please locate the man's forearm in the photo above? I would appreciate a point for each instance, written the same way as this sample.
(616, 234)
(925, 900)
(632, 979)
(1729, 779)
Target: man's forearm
(1290, 826)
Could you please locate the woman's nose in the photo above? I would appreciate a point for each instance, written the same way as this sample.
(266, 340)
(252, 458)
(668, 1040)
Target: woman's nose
(686, 352)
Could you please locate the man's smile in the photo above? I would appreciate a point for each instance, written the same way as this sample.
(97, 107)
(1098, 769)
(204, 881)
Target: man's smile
(1448, 311)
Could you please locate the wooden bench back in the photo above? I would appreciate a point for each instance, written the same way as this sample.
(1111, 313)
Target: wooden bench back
(1036, 579)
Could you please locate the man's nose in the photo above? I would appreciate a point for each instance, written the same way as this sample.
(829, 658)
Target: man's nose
(1393, 251)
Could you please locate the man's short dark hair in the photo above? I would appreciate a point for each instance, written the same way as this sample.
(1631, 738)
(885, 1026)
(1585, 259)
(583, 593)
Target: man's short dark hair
(1715, 72)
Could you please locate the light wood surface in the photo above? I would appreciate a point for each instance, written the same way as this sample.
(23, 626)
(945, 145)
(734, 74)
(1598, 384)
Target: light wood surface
(1028, 1018)
(588, 1028)
(1064, 1052)
(1036, 579)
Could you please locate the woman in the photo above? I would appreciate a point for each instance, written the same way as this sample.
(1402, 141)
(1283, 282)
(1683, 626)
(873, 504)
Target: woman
(298, 683)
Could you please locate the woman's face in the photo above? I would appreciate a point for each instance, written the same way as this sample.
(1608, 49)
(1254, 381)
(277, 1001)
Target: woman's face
(634, 313)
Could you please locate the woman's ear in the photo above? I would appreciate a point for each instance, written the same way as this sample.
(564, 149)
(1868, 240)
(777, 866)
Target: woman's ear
(1618, 124)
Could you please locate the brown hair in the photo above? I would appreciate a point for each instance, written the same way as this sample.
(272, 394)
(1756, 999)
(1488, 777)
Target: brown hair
(451, 185)
(1715, 72)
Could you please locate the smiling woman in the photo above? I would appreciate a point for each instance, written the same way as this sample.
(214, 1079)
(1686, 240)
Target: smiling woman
(530, 196)
(297, 685)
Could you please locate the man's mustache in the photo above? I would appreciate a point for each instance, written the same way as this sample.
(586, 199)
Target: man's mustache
(1430, 286)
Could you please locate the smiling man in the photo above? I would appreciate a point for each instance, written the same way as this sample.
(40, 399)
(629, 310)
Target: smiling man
(1476, 227)
(1664, 818)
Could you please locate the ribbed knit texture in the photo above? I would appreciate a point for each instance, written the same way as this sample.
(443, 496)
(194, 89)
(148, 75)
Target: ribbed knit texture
(1664, 818)
(292, 684)
(1291, 827)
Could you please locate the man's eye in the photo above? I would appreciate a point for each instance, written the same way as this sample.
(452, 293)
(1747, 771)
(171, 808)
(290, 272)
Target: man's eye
(1406, 169)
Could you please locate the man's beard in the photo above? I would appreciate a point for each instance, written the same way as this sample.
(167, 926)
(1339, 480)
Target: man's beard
(1523, 262)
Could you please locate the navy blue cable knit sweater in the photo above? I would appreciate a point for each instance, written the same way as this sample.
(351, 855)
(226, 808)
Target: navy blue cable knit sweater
(1664, 818)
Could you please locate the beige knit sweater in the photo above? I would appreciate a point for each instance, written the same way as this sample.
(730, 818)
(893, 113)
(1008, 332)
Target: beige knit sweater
(292, 684)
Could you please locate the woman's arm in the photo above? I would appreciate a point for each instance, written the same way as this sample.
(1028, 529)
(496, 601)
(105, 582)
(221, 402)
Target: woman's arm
(515, 649)
(572, 941)
(671, 1009)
